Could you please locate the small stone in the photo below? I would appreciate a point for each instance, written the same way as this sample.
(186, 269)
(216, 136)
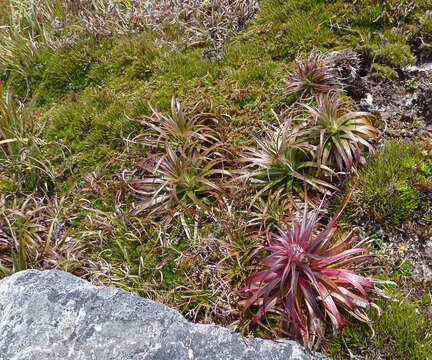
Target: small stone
(369, 99)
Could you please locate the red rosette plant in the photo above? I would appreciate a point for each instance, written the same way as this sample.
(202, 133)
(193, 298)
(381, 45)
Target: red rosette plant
(306, 279)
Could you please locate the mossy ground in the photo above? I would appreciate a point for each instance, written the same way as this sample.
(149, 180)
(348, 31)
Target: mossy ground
(388, 185)
(87, 93)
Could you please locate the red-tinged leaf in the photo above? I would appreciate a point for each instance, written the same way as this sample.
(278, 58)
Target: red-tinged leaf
(287, 269)
(332, 259)
(330, 305)
(310, 297)
(271, 287)
(260, 276)
(339, 212)
(263, 309)
(349, 261)
(278, 265)
(252, 300)
(355, 298)
(340, 245)
(346, 158)
(342, 300)
(306, 231)
(347, 150)
(347, 276)
(263, 293)
(327, 281)
(320, 241)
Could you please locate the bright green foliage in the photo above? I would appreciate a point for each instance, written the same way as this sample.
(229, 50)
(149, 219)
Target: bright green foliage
(387, 187)
(378, 246)
(15, 125)
(400, 333)
(394, 52)
(139, 67)
(387, 182)
(6, 184)
(426, 26)
(383, 71)
(4, 12)
(405, 267)
(425, 299)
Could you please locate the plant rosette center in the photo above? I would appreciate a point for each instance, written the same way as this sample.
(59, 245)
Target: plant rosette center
(296, 254)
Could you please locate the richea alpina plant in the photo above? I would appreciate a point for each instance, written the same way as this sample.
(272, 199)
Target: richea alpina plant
(311, 76)
(306, 279)
(179, 179)
(283, 160)
(31, 233)
(339, 131)
(177, 128)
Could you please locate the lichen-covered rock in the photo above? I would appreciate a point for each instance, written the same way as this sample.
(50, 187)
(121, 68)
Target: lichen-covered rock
(55, 315)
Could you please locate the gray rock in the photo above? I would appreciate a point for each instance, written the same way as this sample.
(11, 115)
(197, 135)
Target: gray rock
(55, 315)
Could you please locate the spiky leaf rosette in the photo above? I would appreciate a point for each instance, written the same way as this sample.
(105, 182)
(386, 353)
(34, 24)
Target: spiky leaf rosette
(283, 160)
(179, 179)
(306, 278)
(339, 131)
(177, 128)
(311, 76)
